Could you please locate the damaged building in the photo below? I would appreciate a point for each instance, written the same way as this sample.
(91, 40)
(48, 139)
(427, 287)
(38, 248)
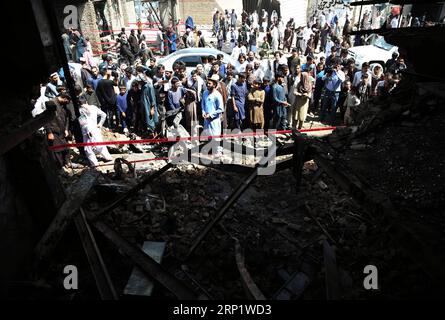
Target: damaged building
(370, 194)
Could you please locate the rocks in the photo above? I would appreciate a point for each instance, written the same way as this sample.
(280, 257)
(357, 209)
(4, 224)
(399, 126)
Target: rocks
(358, 147)
(323, 186)
(139, 208)
(276, 220)
(294, 227)
(284, 204)
(205, 214)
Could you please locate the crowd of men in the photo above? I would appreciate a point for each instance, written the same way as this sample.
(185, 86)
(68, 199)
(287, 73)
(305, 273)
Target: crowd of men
(135, 95)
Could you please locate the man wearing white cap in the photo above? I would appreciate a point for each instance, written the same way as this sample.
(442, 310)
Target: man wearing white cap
(51, 87)
(189, 39)
(91, 130)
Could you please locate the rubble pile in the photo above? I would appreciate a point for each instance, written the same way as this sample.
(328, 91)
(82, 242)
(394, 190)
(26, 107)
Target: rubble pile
(273, 224)
(397, 149)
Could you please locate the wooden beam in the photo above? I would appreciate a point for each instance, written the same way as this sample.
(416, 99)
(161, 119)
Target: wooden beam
(148, 265)
(26, 130)
(249, 285)
(103, 281)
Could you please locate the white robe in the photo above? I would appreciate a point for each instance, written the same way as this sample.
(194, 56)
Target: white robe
(91, 132)
(275, 37)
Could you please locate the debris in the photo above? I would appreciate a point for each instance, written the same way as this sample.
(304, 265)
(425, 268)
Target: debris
(149, 266)
(233, 198)
(278, 220)
(139, 284)
(139, 208)
(358, 147)
(55, 231)
(294, 227)
(331, 273)
(133, 191)
(284, 204)
(318, 223)
(118, 170)
(185, 269)
(103, 281)
(251, 288)
(107, 191)
(322, 185)
(294, 287)
(317, 175)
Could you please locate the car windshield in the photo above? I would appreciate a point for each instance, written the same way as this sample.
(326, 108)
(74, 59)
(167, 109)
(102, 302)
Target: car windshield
(382, 44)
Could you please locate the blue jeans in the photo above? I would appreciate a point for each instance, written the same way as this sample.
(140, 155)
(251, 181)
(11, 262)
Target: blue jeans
(329, 102)
(280, 117)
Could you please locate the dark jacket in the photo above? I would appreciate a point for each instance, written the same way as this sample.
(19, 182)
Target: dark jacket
(105, 93)
(134, 43)
(92, 99)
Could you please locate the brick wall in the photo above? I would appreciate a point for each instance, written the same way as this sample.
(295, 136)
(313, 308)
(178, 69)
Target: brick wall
(88, 24)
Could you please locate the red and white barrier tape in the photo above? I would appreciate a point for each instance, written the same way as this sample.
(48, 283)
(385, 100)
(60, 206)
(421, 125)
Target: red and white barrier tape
(165, 140)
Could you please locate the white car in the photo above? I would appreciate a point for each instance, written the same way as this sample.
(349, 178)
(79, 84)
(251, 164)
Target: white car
(192, 57)
(377, 53)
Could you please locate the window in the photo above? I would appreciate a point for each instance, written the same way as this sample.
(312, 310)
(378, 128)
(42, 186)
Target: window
(190, 61)
(382, 44)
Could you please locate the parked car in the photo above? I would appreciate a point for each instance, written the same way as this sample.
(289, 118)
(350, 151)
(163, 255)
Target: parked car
(192, 57)
(377, 52)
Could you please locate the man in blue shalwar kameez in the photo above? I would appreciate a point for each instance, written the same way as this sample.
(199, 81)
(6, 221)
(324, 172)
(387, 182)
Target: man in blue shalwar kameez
(212, 108)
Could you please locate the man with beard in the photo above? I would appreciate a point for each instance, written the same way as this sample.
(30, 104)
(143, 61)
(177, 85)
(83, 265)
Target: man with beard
(258, 72)
(197, 84)
(107, 97)
(57, 130)
(145, 53)
(134, 43)
(212, 108)
(279, 102)
(215, 70)
(255, 101)
(51, 87)
(134, 103)
(293, 61)
(149, 104)
(238, 93)
(288, 38)
(125, 50)
(316, 28)
(251, 58)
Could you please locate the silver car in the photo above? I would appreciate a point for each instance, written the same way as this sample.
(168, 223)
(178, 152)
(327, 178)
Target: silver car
(192, 57)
